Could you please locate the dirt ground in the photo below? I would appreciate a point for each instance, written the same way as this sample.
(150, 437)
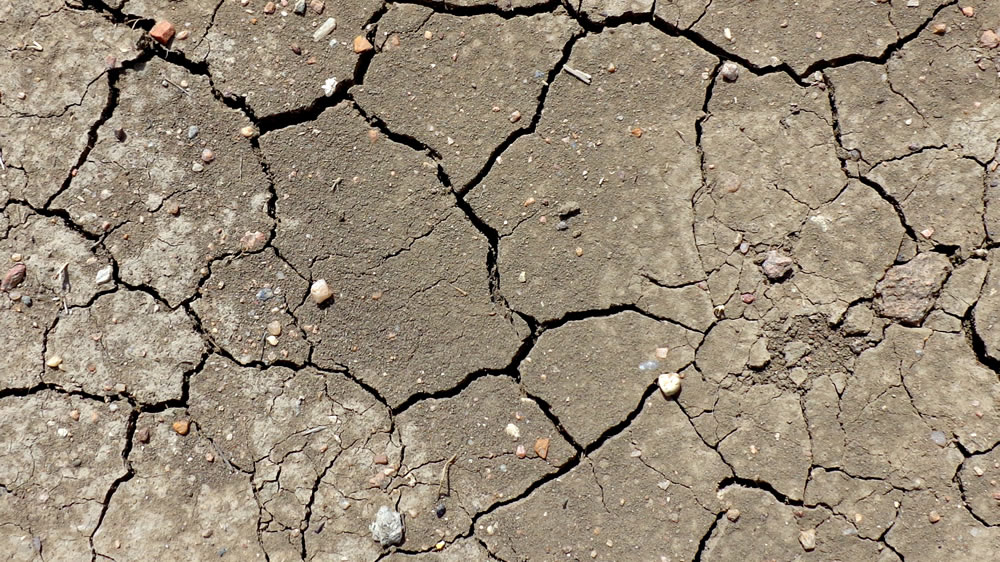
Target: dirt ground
(353, 280)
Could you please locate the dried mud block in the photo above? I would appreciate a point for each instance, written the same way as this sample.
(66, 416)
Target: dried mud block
(884, 433)
(593, 373)
(292, 429)
(978, 478)
(605, 175)
(759, 134)
(869, 505)
(961, 291)
(491, 431)
(761, 432)
(406, 266)
(681, 13)
(954, 534)
(601, 10)
(172, 209)
(771, 33)
(61, 456)
(272, 60)
(952, 82)
(52, 90)
(845, 247)
(986, 313)
(769, 529)
(727, 349)
(646, 493)
(940, 194)
(125, 338)
(475, 73)
(244, 307)
(42, 246)
(178, 497)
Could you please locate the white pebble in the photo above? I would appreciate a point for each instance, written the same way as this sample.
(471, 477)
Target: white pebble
(328, 26)
(103, 275)
(513, 431)
(669, 383)
(320, 291)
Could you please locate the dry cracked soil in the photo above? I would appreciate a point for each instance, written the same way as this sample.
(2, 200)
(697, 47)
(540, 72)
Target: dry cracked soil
(276, 272)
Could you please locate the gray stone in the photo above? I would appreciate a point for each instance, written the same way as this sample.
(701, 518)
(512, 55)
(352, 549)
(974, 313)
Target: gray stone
(387, 529)
(776, 266)
(907, 292)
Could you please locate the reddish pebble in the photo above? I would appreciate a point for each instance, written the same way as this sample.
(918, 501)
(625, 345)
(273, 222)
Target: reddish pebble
(361, 45)
(381, 459)
(968, 11)
(14, 277)
(542, 447)
(521, 453)
(163, 31)
(181, 427)
(747, 298)
(269, 8)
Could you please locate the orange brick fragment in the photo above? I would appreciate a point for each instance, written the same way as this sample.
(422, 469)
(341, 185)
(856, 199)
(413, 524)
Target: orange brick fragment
(163, 31)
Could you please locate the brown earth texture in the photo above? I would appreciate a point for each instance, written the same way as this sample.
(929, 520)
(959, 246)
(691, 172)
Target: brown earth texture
(463, 280)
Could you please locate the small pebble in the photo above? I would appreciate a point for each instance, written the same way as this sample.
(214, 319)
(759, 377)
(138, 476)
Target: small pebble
(939, 29)
(730, 71)
(927, 233)
(120, 388)
(428, 35)
(163, 31)
(183, 34)
(733, 514)
(209, 457)
(361, 44)
(320, 291)
(192, 131)
(562, 225)
(521, 452)
(317, 6)
(515, 117)
(387, 529)
(120, 134)
(274, 328)
(249, 131)
(181, 427)
(933, 516)
(939, 438)
(747, 298)
(968, 11)
(54, 362)
(142, 435)
(14, 277)
(513, 431)
(62, 432)
(636, 132)
(197, 167)
(16, 257)
(989, 39)
(300, 7)
(808, 539)
(542, 447)
(207, 155)
(669, 383)
(295, 48)
(439, 510)
(912, 3)
(265, 294)
(381, 458)
(269, 8)
(272, 340)
(174, 209)
(776, 266)
(579, 251)
(322, 31)
(74, 415)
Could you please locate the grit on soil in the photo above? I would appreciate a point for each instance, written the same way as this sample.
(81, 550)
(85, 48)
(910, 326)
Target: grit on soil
(348, 280)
